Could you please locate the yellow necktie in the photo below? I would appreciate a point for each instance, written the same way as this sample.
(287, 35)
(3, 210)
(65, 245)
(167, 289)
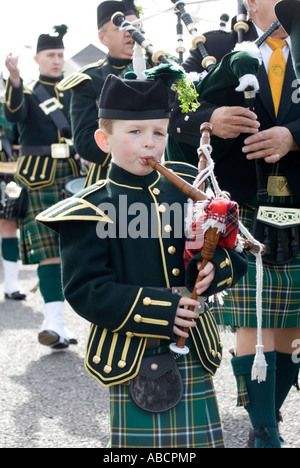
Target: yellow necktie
(277, 67)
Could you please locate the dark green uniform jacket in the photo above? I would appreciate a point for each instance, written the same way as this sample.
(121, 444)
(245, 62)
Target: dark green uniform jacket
(86, 86)
(111, 280)
(36, 129)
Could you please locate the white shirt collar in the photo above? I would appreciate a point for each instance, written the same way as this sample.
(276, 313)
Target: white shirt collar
(266, 50)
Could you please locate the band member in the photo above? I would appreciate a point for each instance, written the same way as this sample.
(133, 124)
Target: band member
(123, 284)
(257, 160)
(87, 84)
(8, 228)
(45, 164)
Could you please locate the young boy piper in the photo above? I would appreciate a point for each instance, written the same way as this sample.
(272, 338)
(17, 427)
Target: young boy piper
(122, 247)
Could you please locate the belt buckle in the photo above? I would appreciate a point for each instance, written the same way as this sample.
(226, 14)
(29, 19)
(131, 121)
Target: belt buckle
(51, 105)
(278, 186)
(279, 217)
(60, 151)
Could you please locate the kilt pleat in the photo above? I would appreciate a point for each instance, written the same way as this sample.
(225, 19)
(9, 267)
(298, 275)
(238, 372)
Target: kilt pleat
(194, 422)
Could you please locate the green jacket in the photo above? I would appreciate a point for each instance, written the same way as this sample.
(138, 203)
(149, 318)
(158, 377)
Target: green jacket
(112, 280)
(36, 129)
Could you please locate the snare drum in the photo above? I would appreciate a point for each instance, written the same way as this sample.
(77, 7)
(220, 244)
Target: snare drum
(8, 171)
(7, 175)
(74, 186)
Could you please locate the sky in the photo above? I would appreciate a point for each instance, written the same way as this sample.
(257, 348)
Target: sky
(22, 22)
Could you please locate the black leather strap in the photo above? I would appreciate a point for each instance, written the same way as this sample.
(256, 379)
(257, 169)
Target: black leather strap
(57, 116)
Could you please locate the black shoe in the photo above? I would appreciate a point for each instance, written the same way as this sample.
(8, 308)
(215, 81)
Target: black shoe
(279, 419)
(251, 439)
(53, 340)
(261, 433)
(16, 296)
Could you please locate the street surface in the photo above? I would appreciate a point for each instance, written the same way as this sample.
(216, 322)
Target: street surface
(48, 400)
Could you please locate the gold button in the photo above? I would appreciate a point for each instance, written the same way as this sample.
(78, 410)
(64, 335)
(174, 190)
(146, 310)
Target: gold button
(107, 369)
(168, 228)
(176, 272)
(137, 318)
(219, 356)
(156, 191)
(162, 209)
(172, 250)
(121, 364)
(96, 360)
(213, 353)
(147, 301)
(129, 334)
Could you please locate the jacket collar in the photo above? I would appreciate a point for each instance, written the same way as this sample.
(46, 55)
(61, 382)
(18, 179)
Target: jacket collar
(122, 177)
(286, 98)
(118, 62)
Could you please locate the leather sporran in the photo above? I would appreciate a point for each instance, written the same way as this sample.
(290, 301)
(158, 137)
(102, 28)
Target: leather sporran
(158, 387)
(279, 230)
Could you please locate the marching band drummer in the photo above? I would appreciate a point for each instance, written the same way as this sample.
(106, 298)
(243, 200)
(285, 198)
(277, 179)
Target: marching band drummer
(9, 228)
(273, 141)
(45, 164)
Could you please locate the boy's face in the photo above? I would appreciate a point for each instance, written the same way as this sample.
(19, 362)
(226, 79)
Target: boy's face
(132, 142)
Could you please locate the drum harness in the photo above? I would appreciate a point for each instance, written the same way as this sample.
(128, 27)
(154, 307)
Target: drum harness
(53, 108)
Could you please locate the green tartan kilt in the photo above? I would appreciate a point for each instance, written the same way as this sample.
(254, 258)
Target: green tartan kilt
(194, 422)
(37, 242)
(281, 294)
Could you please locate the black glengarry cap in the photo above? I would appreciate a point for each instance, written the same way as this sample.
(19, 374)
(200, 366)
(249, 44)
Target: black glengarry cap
(107, 9)
(124, 99)
(45, 41)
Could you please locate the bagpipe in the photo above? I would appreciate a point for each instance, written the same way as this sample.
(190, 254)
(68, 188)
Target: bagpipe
(220, 223)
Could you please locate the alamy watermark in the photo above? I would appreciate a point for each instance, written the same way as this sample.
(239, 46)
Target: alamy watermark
(296, 93)
(140, 220)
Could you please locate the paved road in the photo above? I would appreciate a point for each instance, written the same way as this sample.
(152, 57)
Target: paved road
(47, 400)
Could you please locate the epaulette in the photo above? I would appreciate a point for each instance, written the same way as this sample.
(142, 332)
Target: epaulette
(182, 169)
(92, 65)
(78, 77)
(76, 208)
(29, 87)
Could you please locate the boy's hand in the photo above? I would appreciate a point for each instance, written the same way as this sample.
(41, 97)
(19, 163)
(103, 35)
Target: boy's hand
(208, 274)
(183, 316)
